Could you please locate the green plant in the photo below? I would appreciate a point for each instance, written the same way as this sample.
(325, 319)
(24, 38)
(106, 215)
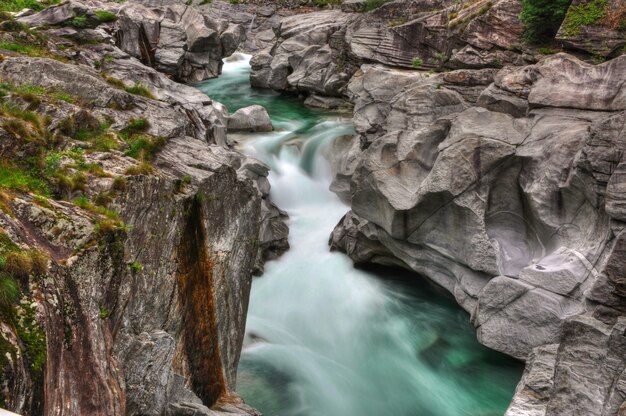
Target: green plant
(78, 22)
(8, 293)
(62, 96)
(324, 3)
(496, 63)
(53, 162)
(104, 313)
(417, 62)
(135, 267)
(17, 5)
(583, 14)
(105, 16)
(17, 179)
(141, 90)
(546, 51)
(374, 4)
(542, 18)
(33, 337)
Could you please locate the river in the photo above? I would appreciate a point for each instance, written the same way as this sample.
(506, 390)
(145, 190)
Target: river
(326, 339)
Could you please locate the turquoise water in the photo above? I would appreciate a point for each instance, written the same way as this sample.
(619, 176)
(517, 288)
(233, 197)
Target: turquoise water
(326, 339)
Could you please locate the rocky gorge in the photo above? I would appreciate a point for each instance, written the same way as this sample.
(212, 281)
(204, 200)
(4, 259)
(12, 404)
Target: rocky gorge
(131, 225)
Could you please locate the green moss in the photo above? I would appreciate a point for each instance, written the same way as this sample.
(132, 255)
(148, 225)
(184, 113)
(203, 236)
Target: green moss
(324, 3)
(33, 337)
(583, 14)
(546, 51)
(135, 267)
(374, 4)
(79, 22)
(105, 16)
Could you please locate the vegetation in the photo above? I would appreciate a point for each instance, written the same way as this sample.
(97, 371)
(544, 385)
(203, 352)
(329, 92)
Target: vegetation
(374, 4)
(17, 5)
(547, 51)
(542, 18)
(105, 16)
(417, 62)
(79, 22)
(324, 3)
(17, 179)
(136, 89)
(141, 90)
(583, 14)
(135, 266)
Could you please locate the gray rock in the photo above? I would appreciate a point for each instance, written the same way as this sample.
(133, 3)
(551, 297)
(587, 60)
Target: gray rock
(177, 40)
(252, 118)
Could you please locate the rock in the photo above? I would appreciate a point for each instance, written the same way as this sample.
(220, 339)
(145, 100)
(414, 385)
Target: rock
(252, 118)
(329, 103)
(533, 390)
(508, 195)
(177, 40)
(601, 33)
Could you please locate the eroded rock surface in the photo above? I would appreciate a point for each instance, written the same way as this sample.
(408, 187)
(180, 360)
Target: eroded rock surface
(503, 189)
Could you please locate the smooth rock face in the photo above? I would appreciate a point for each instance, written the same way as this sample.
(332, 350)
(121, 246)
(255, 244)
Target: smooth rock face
(252, 118)
(177, 40)
(318, 53)
(509, 196)
(163, 336)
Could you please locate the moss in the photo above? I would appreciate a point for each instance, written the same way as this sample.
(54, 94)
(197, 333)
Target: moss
(583, 14)
(105, 16)
(79, 22)
(374, 4)
(325, 3)
(33, 337)
(104, 313)
(135, 267)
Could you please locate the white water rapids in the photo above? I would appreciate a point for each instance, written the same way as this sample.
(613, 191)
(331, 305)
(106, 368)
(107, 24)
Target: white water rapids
(326, 339)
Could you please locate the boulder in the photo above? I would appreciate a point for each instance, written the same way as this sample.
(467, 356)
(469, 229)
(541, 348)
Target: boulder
(252, 118)
(596, 27)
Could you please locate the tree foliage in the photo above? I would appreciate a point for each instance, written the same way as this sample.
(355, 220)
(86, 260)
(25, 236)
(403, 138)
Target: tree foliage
(542, 18)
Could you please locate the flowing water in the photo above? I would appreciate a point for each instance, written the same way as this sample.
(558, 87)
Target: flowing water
(326, 339)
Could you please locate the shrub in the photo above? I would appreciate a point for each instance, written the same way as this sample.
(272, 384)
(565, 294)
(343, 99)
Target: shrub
(542, 18)
(417, 62)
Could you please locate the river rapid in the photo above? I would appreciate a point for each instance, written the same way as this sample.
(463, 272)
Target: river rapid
(326, 339)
